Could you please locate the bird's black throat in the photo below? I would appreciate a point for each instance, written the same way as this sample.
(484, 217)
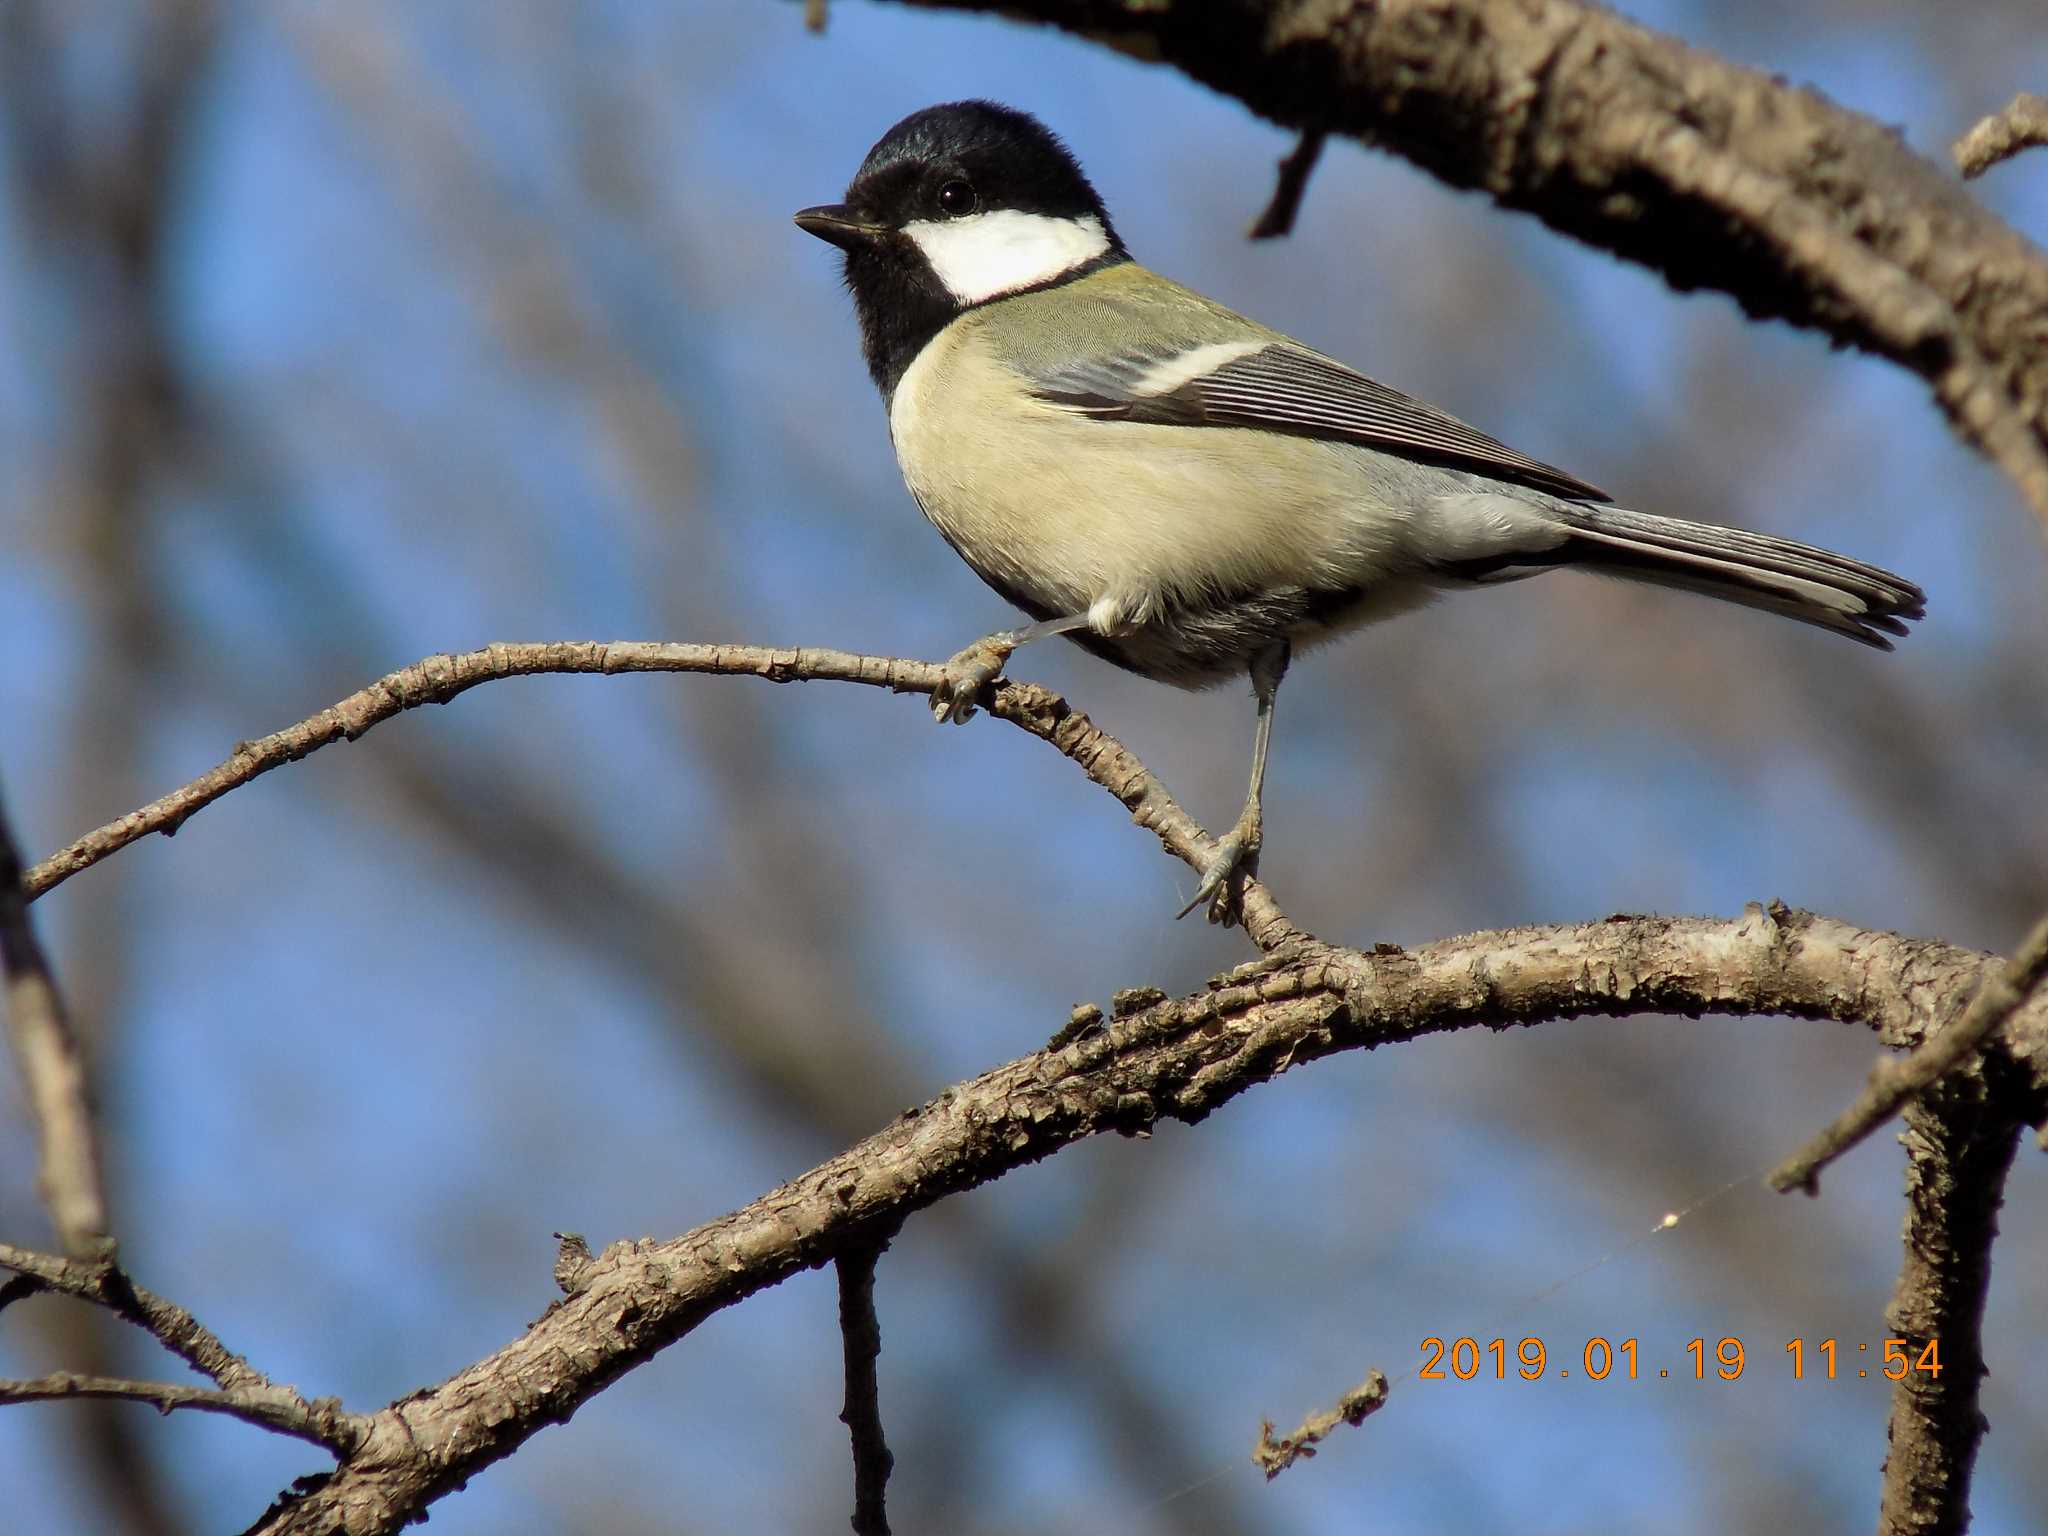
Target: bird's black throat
(902, 305)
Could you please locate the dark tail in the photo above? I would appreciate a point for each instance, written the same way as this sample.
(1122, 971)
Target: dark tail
(1811, 585)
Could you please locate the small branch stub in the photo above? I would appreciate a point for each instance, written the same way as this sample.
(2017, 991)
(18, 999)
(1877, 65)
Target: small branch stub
(572, 1263)
(1295, 170)
(2022, 125)
(1084, 1020)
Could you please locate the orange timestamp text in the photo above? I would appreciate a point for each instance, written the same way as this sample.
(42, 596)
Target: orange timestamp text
(1725, 1359)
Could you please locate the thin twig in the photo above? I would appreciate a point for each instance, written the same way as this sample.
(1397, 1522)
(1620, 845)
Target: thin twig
(437, 679)
(861, 1332)
(311, 1422)
(52, 1073)
(1295, 170)
(1960, 1142)
(1896, 1079)
(106, 1285)
(264, 1401)
(1273, 1456)
(2022, 125)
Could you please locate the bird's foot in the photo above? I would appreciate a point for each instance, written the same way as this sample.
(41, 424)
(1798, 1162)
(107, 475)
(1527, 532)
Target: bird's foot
(1235, 860)
(970, 671)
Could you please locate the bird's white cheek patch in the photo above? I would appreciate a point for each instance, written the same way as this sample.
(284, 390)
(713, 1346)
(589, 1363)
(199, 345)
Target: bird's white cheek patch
(988, 254)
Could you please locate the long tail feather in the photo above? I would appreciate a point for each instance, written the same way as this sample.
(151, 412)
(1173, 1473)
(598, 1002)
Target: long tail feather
(1814, 586)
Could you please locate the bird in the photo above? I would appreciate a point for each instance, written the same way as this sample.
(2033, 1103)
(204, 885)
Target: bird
(1184, 492)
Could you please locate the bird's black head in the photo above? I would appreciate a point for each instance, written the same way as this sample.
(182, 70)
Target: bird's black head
(955, 206)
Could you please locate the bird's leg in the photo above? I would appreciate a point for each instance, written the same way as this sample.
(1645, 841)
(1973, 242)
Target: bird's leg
(1237, 852)
(982, 663)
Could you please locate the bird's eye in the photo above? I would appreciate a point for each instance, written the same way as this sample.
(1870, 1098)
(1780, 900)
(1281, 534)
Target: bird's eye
(957, 199)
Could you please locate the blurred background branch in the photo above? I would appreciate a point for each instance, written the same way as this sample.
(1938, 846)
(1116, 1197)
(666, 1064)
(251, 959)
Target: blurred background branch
(103, 436)
(52, 1072)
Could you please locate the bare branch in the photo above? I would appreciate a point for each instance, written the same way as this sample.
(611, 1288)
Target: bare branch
(105, 1285)
(1171, 1058)
(1295, 170)
(861, 1333)
(253, 1395)
(52, 1073)
(1960, 1141)
(320, 1423)
(437, 679)
(2022, 125)
(1275, 1456)
(1896, 1079)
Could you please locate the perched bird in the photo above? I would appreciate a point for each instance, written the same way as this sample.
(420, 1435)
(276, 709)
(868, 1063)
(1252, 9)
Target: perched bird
(1182, 491)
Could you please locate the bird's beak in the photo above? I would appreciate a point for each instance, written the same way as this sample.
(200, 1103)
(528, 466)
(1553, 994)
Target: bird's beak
(837, 223)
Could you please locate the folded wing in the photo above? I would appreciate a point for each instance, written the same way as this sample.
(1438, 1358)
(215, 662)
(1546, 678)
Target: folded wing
(1280, 387)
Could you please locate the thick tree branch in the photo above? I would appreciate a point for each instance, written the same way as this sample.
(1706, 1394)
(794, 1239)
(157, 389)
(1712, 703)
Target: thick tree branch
(52, 1072)
(1895, 1079)
(437, 679)
(1713, 175)
(1171, 1058)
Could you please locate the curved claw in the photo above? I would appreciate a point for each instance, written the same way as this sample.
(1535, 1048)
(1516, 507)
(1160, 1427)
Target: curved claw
(1236, 854)
(966, 674)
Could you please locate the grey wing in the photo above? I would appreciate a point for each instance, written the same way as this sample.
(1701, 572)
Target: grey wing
(1279, 387)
